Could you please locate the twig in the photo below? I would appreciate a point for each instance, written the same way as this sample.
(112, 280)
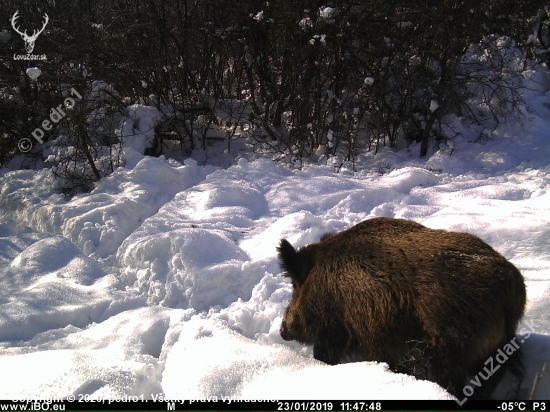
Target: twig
(537, 377)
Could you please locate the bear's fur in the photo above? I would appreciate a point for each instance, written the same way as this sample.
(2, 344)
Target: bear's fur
(431, 303)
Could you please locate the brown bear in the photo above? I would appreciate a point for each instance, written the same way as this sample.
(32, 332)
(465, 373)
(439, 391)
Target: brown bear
(430, 303)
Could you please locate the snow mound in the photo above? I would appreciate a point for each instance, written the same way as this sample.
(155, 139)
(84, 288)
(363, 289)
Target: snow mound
(359, 381)
(137, 130)
(226, 365)
(184, 267)
(118, 357)
(300, 228)
(99, 222)
(58, 257)
(259, 318)
(50, 285)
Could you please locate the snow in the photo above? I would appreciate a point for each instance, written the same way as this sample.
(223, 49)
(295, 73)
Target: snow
(254, 370)
(327, 12)
(305, 23)
(33, 73)
(369, 80)
(169, 267)
(138, 130)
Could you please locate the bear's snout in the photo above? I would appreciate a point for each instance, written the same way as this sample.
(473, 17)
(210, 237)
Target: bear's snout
(285, 334)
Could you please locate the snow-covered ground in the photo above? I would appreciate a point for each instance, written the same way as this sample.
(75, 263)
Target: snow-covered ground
(164, 279)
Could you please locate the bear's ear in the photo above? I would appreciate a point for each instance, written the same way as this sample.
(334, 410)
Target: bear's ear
(291, 262)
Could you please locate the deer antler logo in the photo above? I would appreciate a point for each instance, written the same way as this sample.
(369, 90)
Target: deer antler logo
(29, 40)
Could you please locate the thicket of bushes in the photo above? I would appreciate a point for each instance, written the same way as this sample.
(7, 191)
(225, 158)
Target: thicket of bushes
(302, 78)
